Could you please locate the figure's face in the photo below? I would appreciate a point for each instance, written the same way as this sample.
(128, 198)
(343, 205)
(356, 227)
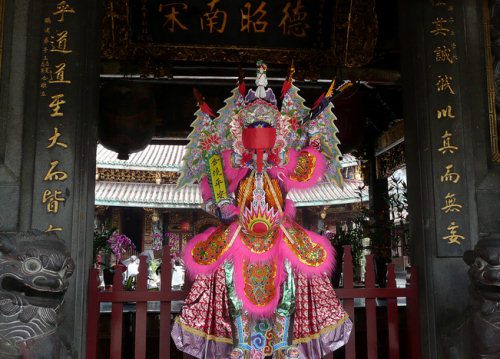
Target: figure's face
(259, 138)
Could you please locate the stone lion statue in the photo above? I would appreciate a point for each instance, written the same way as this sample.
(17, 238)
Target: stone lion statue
(478, 334)
(34, 271)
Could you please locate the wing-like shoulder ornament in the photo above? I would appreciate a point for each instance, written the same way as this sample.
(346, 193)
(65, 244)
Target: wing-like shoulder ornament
(294, 112)
(233, 104)
(322, 132)
(204, 141)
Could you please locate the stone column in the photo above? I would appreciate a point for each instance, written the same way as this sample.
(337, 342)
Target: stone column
(446, 131)
(47, 154)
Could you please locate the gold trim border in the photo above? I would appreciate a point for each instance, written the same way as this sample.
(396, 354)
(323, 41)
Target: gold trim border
(492, 115)
(322, 331)
(202, 334)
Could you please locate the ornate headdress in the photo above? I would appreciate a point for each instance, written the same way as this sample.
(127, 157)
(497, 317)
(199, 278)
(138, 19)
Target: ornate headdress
(296, 126)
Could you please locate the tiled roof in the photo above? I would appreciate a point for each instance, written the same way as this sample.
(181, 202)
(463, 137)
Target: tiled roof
(168, 196)
(327, 193)
(169, 158)
(162, 158)
(150, 195)
(152, 158)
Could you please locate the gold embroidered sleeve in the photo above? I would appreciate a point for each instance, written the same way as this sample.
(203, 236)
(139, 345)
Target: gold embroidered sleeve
(306, 250)
(305, 167)
(211, 249)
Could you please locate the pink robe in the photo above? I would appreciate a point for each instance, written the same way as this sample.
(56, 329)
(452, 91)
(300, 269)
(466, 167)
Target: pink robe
(261, 266)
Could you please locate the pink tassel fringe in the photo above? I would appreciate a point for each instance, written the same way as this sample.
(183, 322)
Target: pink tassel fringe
(192, 267)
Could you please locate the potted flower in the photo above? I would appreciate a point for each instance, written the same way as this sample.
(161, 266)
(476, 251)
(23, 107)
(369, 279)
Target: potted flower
(107, 242)
(119, 244)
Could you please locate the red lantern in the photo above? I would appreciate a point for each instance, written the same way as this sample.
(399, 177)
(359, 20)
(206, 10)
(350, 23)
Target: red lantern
(126, 121)
(350, 120)
(185, 226)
